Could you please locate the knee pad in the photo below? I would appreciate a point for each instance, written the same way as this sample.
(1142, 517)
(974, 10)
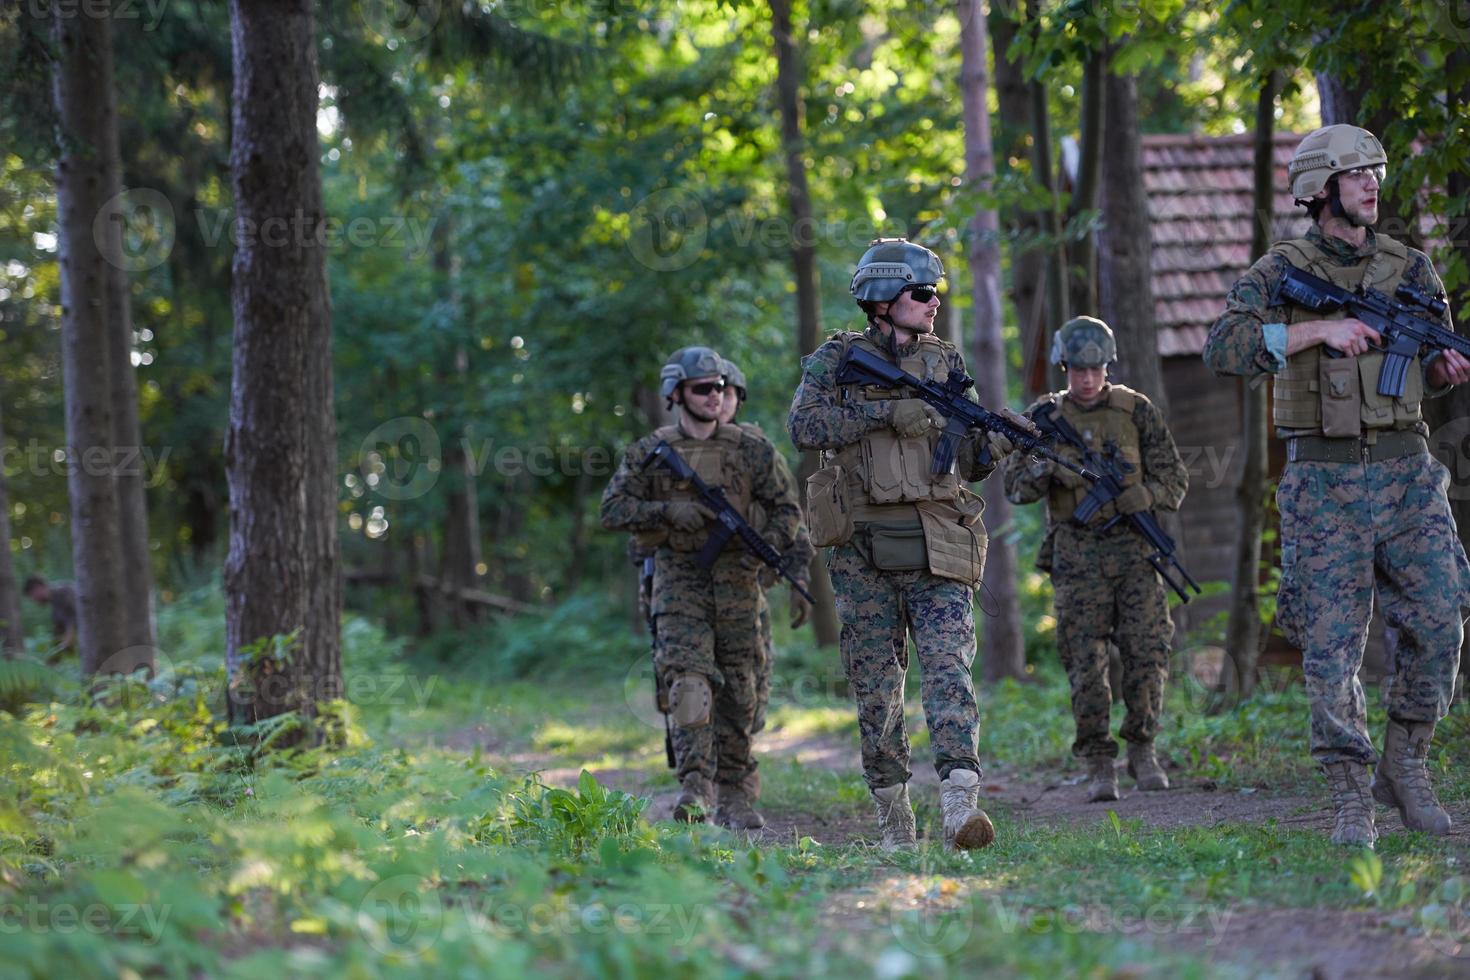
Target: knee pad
(690, 700)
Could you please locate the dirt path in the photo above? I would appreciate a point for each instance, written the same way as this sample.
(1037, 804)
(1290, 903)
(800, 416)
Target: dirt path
(1323, 944)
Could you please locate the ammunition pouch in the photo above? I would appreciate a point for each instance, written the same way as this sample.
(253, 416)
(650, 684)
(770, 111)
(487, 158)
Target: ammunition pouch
(895, 547)
(1342, 392)
(955, 537)
(829, 512)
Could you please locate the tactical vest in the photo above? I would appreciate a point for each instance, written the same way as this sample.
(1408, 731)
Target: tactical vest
(1339, 395)
(716, 461)
(1109, 423)
(887, 475)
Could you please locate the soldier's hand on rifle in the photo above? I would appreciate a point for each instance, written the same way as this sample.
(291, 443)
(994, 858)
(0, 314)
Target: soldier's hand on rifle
(1135, 499)
(767, 576)
(1352, 337)
(998, 446)
(800, 608)
(1451, 369)
(688, 515)
(912, 417)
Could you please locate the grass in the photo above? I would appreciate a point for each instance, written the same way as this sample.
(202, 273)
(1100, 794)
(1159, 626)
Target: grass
(386, 854)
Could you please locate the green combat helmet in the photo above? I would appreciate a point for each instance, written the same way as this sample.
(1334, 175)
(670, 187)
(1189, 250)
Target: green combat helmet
(1331, 150)
(1084, 342)
(686, 363)
(889, 265)
(734, 377)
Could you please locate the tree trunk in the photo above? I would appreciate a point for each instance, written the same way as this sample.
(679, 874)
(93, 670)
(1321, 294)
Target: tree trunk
(1243, 634)
(282, 576)
(1082, 273)
(127, 438)
(804, 265)
(82, 86)
(1125, 289)
(1014, 141)
(1003, 653)
(11, 635)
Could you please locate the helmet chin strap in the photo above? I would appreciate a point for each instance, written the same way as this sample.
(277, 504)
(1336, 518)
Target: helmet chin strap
(1334, 205)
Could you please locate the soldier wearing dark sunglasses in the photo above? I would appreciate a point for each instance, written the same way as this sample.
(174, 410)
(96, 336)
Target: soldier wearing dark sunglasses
(707, 653)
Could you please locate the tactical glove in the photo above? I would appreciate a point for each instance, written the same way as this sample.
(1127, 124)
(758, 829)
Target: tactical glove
(687, 515)
(1135, 499)
(912, 417)
(998, 446)
(800, 608)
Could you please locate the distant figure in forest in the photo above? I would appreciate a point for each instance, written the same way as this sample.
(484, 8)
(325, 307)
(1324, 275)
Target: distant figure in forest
(797, 559)
(62, 598)
(1103, 582)
(1363, 503)
(708, 650)
(908, 545)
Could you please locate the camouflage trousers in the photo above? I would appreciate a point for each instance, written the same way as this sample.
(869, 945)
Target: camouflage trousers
(727, 652)
(1105, 588)
(879, 610)
(1349, 530)
(767, 664)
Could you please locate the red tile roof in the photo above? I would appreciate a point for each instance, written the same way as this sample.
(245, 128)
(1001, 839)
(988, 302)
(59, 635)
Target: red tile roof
(1199, 200)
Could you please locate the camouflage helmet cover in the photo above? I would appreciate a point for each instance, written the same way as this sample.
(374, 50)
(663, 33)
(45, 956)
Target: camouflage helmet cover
(1084, 342)
(734, 377)
(686, 363)
(889, 265)
(1331, 150)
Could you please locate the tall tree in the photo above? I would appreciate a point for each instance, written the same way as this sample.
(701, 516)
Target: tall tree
(282, 574)
(85, 116)
(1243, 633)
(11, 636)
(1004, 653)
(804, 265)
(1125, 288)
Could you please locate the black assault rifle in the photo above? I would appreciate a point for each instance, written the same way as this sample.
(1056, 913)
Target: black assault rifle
(961, 414)
(1107, 487)
(730, 521)
(1399, 321)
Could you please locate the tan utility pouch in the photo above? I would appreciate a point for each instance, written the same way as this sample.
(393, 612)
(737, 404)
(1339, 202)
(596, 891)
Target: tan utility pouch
(896, 547)
(829, 514)
(955, 537)
(1341, 396)
(651, 540)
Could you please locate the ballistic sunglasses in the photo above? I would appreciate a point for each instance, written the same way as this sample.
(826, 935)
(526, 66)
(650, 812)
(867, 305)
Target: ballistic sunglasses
(706, 388)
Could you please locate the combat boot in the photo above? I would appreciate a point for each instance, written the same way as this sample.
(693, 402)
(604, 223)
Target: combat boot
(895, 817)
(1144, 767)
(736, 809)
(966, 827)
(1402, 781)
(1354, 823)
(1103, 779)
(694, 802)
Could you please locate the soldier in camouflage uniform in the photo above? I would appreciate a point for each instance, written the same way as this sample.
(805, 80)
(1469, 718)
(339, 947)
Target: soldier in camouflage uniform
(708, 654)
(1103, 581)
(1363, 504)
(797, 559)
(908, 545)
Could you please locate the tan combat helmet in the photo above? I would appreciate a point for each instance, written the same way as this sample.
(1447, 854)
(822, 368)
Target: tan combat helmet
(686, 363)
(1331, 150)
(1084, 342)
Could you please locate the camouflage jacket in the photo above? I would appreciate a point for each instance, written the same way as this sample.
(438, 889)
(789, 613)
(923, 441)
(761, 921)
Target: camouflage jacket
(628, 504)
(1241, 341)
(818, 420)
(1164, 472)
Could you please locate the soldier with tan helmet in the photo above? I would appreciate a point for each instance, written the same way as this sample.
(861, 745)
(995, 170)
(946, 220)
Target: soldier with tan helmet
(1104, 584)
(908, 546)
(1363, 504)
(708, 654)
